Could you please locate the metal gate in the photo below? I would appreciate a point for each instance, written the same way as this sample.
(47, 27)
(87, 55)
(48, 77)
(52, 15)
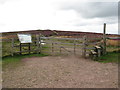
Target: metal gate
(61, 46)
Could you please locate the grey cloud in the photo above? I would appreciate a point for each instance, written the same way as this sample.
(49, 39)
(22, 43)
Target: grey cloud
(2, 24)
(4, 1)
(93, 9)
(109, 20)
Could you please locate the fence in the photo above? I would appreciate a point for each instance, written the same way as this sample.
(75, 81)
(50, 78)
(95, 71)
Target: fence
(50, 45)
(13, 46)
(81, 46)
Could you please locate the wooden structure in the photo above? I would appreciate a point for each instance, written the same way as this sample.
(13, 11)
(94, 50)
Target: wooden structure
(53, 46)
(25, 47)
(96, 52)
(104, 39)
(59, 45)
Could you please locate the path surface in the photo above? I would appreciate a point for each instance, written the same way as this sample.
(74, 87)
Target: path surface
(60, 72)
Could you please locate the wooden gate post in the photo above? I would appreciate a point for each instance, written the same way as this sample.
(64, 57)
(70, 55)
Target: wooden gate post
(60, 48)
(29, 49)
(104, 39)
(52, 47)
(74, 46)
(20, 48)
(38, 46)
(84, 46)
(12, 51)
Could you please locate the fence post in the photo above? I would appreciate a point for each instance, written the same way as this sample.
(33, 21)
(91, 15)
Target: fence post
(29, 47)
(12, 52)
(104, 39)
(20, 48)
(37, 37)
(74, 46)
(52, 47)
(60, 50)
(40, 46)
(84, 47)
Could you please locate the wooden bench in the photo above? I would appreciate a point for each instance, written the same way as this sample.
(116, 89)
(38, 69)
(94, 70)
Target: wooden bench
(99, 50)
(93, 54)
(96, 52)
(98, 47)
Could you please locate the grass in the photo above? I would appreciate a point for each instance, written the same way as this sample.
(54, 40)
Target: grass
(112, 48)
(110, 57)
(17, 58)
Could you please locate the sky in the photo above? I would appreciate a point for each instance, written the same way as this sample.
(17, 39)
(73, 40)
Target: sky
(69, 15)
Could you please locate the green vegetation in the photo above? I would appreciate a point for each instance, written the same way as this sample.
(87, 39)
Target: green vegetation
(112, 48)
(6, 48)
(110, 57)
(17, 58)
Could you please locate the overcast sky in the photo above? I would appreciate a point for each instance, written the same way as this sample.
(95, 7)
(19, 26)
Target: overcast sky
(71, 15)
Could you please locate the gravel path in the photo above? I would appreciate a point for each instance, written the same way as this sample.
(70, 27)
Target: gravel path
(60, 72)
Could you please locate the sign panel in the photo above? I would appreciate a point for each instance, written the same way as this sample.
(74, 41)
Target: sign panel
(25, 38)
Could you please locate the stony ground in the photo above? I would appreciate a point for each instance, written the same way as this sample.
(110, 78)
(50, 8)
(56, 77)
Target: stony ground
(60, 72)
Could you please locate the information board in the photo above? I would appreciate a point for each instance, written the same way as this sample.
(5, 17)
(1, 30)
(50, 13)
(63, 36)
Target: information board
(25, 38)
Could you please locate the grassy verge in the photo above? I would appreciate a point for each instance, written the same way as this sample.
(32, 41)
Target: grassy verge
(17, 58)
(113, 48)
(110, 57)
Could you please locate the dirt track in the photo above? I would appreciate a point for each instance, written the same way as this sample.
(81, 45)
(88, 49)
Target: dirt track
(60, 72)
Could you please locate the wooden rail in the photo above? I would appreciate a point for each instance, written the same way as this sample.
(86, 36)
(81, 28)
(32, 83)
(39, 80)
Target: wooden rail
(74, 43)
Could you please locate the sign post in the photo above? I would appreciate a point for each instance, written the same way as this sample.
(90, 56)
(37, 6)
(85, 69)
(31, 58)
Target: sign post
(25, 38)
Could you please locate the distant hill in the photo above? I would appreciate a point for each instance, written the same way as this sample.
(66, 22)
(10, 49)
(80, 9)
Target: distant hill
(58, 33)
